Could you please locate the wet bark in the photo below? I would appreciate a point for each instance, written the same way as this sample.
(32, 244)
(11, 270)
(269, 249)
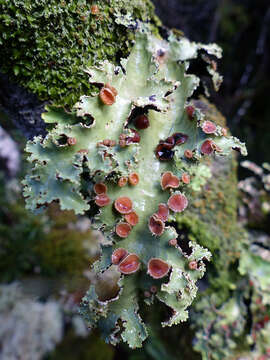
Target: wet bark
(23, 108)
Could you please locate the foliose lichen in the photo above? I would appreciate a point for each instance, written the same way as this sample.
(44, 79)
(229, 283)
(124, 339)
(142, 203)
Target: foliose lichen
(82, 161)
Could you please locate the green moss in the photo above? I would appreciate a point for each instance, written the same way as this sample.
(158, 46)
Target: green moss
(62, 250)
(198, 231)
(46, 44)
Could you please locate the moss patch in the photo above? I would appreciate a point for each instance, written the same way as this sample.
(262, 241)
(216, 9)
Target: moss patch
(46, 45)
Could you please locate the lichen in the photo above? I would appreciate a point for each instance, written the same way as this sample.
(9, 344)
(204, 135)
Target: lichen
(87, 152)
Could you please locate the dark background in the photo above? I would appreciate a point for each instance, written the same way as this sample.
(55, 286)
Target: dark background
(242, 29)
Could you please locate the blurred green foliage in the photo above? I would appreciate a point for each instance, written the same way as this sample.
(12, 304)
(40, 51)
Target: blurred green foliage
(47, 243)
(73, 347)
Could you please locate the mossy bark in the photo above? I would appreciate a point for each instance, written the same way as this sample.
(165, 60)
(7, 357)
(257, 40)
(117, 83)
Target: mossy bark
(45, 46)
